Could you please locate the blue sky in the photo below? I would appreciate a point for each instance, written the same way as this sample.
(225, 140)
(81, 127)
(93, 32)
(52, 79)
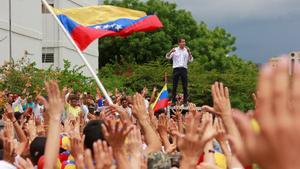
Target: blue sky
(263, 28)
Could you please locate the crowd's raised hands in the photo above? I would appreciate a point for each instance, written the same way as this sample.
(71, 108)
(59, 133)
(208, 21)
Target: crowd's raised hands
(277, 145)
(194, 138)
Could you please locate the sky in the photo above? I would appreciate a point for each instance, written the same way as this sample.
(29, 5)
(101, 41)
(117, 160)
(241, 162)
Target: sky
(263, 28)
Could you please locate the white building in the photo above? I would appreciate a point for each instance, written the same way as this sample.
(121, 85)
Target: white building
(26, 30)
(36, 34)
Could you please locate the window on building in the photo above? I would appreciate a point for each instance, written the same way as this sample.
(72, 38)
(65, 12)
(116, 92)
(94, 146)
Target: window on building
(44, 9)
(48, 58)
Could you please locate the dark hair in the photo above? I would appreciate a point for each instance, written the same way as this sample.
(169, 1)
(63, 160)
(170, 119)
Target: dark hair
(18, 115)
(180, 39)
(140, 90)
(159, 112)
(123, 98)
(73, 96)
(92, 132)
(37, 149)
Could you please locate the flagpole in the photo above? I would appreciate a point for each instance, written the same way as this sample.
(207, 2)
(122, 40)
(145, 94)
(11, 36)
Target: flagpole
(79, 52)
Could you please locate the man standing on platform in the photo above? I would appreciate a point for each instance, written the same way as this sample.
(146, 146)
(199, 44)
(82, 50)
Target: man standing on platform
(180, 55)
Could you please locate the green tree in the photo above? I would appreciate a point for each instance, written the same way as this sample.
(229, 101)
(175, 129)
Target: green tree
(207, 44)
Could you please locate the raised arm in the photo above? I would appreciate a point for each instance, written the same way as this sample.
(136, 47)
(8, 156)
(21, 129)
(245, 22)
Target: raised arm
(140, 112)
(54, 107)
(190, 54)
(169, 54)
(20, 133)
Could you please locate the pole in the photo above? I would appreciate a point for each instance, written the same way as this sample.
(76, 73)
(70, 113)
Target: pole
(10, 43)
(79, 52)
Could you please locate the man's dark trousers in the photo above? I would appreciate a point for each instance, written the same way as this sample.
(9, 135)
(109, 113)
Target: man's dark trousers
(180, 72)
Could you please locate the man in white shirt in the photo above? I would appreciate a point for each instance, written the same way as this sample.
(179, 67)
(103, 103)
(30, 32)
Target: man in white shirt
(180, 55)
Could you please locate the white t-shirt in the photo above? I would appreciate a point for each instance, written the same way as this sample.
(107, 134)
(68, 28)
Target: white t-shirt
(146, 103)
(85, 111)
(38, 109)
(180, 57)
(128, 110)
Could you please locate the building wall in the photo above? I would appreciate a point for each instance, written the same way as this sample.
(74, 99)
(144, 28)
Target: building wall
(34, 33)
(54, 39)
(26, 30)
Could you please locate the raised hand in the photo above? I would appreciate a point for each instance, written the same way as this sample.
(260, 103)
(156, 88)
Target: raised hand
(153, 119)
(85, 161)
(277, 145)
(55, 104)
(178, 117)
(173, 127)
(32, 129)
(163, 123)
(173, 50)
(124, 116)
(54, 107)
(221, 99)
(220, 130)
(103, 155)
(24, 164)
(210, 130)
(106, 114)
(134, 148)
(9, 112)
(7, 137)
(134, 145)
(77, 144)
(140, 112)
(192, 108)
(191, 144)
(139, 109)
(162, 126)
(115, 134)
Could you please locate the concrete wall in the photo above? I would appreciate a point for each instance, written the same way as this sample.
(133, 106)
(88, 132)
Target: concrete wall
(26, 30)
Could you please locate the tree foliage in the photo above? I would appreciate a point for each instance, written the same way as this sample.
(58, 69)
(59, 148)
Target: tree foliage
(15, 77)
(207, 44)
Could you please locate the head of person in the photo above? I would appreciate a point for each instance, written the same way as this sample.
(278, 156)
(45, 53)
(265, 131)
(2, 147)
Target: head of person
(90, 100)
(181, 43)
(37, 149)
(159, 112)
(19, 117)
(124, 102)
(93, 132)
(38, 102)
(73, 100)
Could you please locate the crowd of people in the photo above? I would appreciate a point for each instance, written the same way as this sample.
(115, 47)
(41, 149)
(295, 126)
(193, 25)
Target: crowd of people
(65, 130)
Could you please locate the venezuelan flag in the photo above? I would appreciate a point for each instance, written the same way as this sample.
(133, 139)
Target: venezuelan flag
(85, 24)
(162, 99)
